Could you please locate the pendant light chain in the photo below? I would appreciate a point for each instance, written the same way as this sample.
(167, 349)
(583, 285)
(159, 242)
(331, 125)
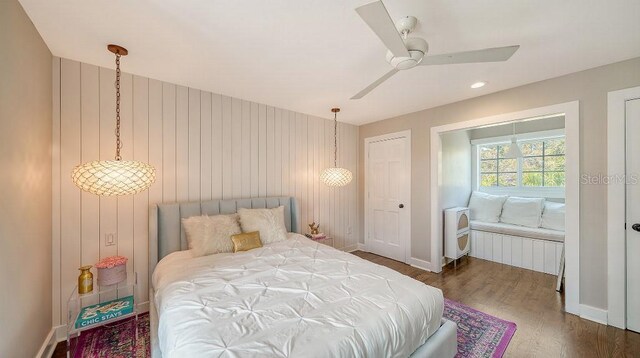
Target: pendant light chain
(335, 139)
(118, 143)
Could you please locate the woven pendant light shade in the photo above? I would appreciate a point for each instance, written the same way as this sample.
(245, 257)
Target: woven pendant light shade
(336, 177)
(114, 177)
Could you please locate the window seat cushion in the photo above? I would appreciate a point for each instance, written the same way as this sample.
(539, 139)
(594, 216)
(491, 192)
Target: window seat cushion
(515, 230)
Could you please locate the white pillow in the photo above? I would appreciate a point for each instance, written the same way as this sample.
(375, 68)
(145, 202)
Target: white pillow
(553, 216)
(485, 207)
(522, 211)
(208, 235)
(270, 223)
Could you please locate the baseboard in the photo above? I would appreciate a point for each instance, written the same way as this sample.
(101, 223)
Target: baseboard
(593, 314)
(362, 247)
(48, 346)
(350, 248)
(421, 264)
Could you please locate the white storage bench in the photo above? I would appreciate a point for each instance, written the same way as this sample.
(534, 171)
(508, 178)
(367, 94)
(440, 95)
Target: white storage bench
(495, 238)
(542, 255)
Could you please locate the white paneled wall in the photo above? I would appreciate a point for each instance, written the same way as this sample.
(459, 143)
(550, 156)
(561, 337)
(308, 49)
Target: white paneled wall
(203, 146)
(533, 254)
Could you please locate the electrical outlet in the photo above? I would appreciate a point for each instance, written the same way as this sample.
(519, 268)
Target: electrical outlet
(349, 230)
(110, 239)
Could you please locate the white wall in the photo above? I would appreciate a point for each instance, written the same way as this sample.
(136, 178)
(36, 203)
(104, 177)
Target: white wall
(25, 179)
(203, 146)
(537, 125)
(456, 169)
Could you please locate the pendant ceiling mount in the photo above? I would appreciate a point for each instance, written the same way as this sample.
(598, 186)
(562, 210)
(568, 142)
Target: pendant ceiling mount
(118, 50)
(114, 177)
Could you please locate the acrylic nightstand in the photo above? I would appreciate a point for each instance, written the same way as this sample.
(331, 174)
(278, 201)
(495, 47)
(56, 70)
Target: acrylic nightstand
(104, 306)
(325, 241)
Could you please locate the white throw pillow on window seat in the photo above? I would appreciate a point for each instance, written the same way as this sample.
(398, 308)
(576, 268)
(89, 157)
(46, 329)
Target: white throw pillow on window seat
(522, 211)
(486, 207)
(553, 216)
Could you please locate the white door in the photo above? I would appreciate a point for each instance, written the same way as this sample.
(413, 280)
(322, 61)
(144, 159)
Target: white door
(388, 183)
(633, 213)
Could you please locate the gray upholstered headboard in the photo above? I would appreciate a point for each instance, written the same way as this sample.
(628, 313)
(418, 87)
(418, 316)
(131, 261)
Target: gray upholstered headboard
(166, 234)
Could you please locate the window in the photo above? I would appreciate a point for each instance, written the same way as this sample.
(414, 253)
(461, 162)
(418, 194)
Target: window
(542, 164)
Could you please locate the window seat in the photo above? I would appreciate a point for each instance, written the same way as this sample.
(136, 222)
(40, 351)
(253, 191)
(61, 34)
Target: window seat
(516, 230)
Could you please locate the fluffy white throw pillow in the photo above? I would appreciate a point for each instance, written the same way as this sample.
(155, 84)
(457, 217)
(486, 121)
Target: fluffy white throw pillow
(486, 207)
(553, 216)
(208, 235)
(270, 223)
(522, 211)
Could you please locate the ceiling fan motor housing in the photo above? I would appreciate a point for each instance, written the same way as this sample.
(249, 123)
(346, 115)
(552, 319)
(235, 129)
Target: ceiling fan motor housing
(417, 48)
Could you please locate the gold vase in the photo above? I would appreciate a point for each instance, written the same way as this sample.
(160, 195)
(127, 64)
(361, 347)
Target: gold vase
(85, 280)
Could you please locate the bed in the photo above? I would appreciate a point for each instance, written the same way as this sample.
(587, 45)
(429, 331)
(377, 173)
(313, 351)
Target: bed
(290, 298)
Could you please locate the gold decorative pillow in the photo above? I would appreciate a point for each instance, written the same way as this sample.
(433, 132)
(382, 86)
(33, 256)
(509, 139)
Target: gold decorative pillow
(246, 241)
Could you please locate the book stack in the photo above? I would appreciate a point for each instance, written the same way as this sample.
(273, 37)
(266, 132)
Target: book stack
(105, 311)
(319, 236)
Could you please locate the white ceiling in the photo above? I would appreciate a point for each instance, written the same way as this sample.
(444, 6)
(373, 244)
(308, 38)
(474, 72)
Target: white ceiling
(309, 56)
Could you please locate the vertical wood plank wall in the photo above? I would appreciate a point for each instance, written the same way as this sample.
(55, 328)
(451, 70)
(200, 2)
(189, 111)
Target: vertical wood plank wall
(203, 146)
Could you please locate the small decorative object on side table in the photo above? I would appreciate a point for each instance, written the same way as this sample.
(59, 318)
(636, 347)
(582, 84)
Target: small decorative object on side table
(112, 270)
(103, 306)
(321, 239)
(314, 228)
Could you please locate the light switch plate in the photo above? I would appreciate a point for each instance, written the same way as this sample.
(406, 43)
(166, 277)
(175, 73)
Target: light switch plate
(110, 239)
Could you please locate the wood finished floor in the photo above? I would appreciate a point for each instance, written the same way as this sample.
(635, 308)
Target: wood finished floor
(522, 296)
(527, 298)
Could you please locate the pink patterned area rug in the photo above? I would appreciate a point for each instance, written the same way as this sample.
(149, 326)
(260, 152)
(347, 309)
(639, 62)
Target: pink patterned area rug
(479, 334)
(117, 340)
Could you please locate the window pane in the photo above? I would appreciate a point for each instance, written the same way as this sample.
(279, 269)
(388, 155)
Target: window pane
(531, 148)
(488, 166)
(554, 179)
(503, 149)
(554, 146)
(554, 163)
(532, 164)
(532, 179)
(508, 165)
(488, 180)
(488, 152)
(507, 179)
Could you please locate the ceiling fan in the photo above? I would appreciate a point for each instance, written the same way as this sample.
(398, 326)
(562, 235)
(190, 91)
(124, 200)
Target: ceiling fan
(406, 52)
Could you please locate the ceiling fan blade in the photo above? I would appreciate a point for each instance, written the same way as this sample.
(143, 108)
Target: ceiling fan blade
(375, 84)
(487, 55)
(378, 19)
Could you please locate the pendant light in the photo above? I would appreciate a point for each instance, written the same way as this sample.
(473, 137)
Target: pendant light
(514, 151)
(114, 177)
(335, 176)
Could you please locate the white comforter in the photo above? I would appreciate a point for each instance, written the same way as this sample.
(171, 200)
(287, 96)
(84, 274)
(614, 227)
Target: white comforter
(294, 298)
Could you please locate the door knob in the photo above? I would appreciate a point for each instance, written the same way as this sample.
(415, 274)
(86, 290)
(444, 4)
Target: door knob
(402, 206)
(636, 227)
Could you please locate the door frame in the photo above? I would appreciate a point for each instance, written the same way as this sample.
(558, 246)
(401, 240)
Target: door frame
(571, 111)
(616, 206)
(407, 206)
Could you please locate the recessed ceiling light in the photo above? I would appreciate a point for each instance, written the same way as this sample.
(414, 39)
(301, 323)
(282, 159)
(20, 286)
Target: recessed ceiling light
(478, 84)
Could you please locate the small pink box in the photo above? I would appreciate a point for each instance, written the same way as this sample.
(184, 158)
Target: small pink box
(112, 270)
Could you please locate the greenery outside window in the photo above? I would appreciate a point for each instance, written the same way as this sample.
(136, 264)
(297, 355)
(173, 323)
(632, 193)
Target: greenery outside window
(542, 164)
